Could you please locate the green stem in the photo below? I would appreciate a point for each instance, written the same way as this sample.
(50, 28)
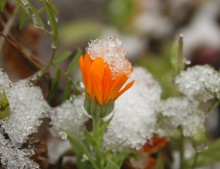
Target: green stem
(195, 160)
(98, 137)
(182, 150)
(47, 67)
(213, 106)
(180, 53)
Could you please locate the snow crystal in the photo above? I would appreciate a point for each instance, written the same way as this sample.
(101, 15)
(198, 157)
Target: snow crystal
(70, 116)
(4, 81)
(202, 82)
(27, 107)
(181, 112)
(113, 53)
(134, 114)
(11, 157)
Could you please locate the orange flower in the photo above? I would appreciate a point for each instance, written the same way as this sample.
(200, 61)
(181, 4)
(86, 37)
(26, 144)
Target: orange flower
(157, 144)
(99, 82)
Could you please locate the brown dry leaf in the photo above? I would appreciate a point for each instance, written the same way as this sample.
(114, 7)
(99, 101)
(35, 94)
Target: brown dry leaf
(18, 59)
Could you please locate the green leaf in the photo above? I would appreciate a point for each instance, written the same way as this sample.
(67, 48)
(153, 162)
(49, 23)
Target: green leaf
(52, 20)
(111, 165)
(2, 5)
(174, 57)
(79, 148)
(90, 138)
(120, 156)
(54, 86)
(67, 91)
(120, 12)
(206, 157)
(104, 126)
(177, 56)
(36, 16)
(54, 7)
(74, 61)
(23, 18)
(4, 107)
(63, 56)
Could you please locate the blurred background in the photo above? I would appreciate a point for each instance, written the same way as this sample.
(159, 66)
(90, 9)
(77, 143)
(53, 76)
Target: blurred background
(148, 29)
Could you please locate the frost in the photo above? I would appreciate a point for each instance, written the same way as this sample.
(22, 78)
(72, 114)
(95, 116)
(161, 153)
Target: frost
(25, 2)
(181, 112)
(27, 107)
(113, 53)
(4, 81)
(134, 114)
(201, 82)
(70, 116)
(13, 158)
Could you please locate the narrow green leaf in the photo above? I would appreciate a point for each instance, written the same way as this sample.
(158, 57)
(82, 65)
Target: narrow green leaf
(23, 18)
(52, 20)
(111, 165)
(67, 91)
(89, 137)
(105, 125)
(74, 61)
(79, 148)
(206, 157)
(120, 156)
(63, 56)
(177, 56)
(54, 7)
(4, 106)
(54, 86)
(174, 57)
(2, 5)
(40, 23)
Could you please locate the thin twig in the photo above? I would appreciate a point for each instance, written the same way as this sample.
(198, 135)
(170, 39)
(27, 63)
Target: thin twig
(33, 59)
(8, 25)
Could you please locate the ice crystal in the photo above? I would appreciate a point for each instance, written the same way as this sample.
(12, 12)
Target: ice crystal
(27, 107)
(113, 53)
(12, 157)
(202, 82)
(4, 81)
(134, 113)
(70, 116)
(181, 112)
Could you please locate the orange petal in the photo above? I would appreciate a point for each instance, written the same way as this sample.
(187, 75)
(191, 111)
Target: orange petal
(87, 75)
(118, 83)
(126, 88)
(107, 83)
(97, 73)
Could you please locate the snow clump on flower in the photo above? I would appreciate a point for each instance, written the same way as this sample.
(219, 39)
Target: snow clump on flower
(201, 82)
(71, 116)
(113, 53)
(27, 107)
(181, 112)
(134, 113)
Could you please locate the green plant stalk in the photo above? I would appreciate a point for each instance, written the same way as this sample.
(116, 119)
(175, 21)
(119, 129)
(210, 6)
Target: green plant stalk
(180, 53)
(99, 137)
(47, 67)
(195, 160)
